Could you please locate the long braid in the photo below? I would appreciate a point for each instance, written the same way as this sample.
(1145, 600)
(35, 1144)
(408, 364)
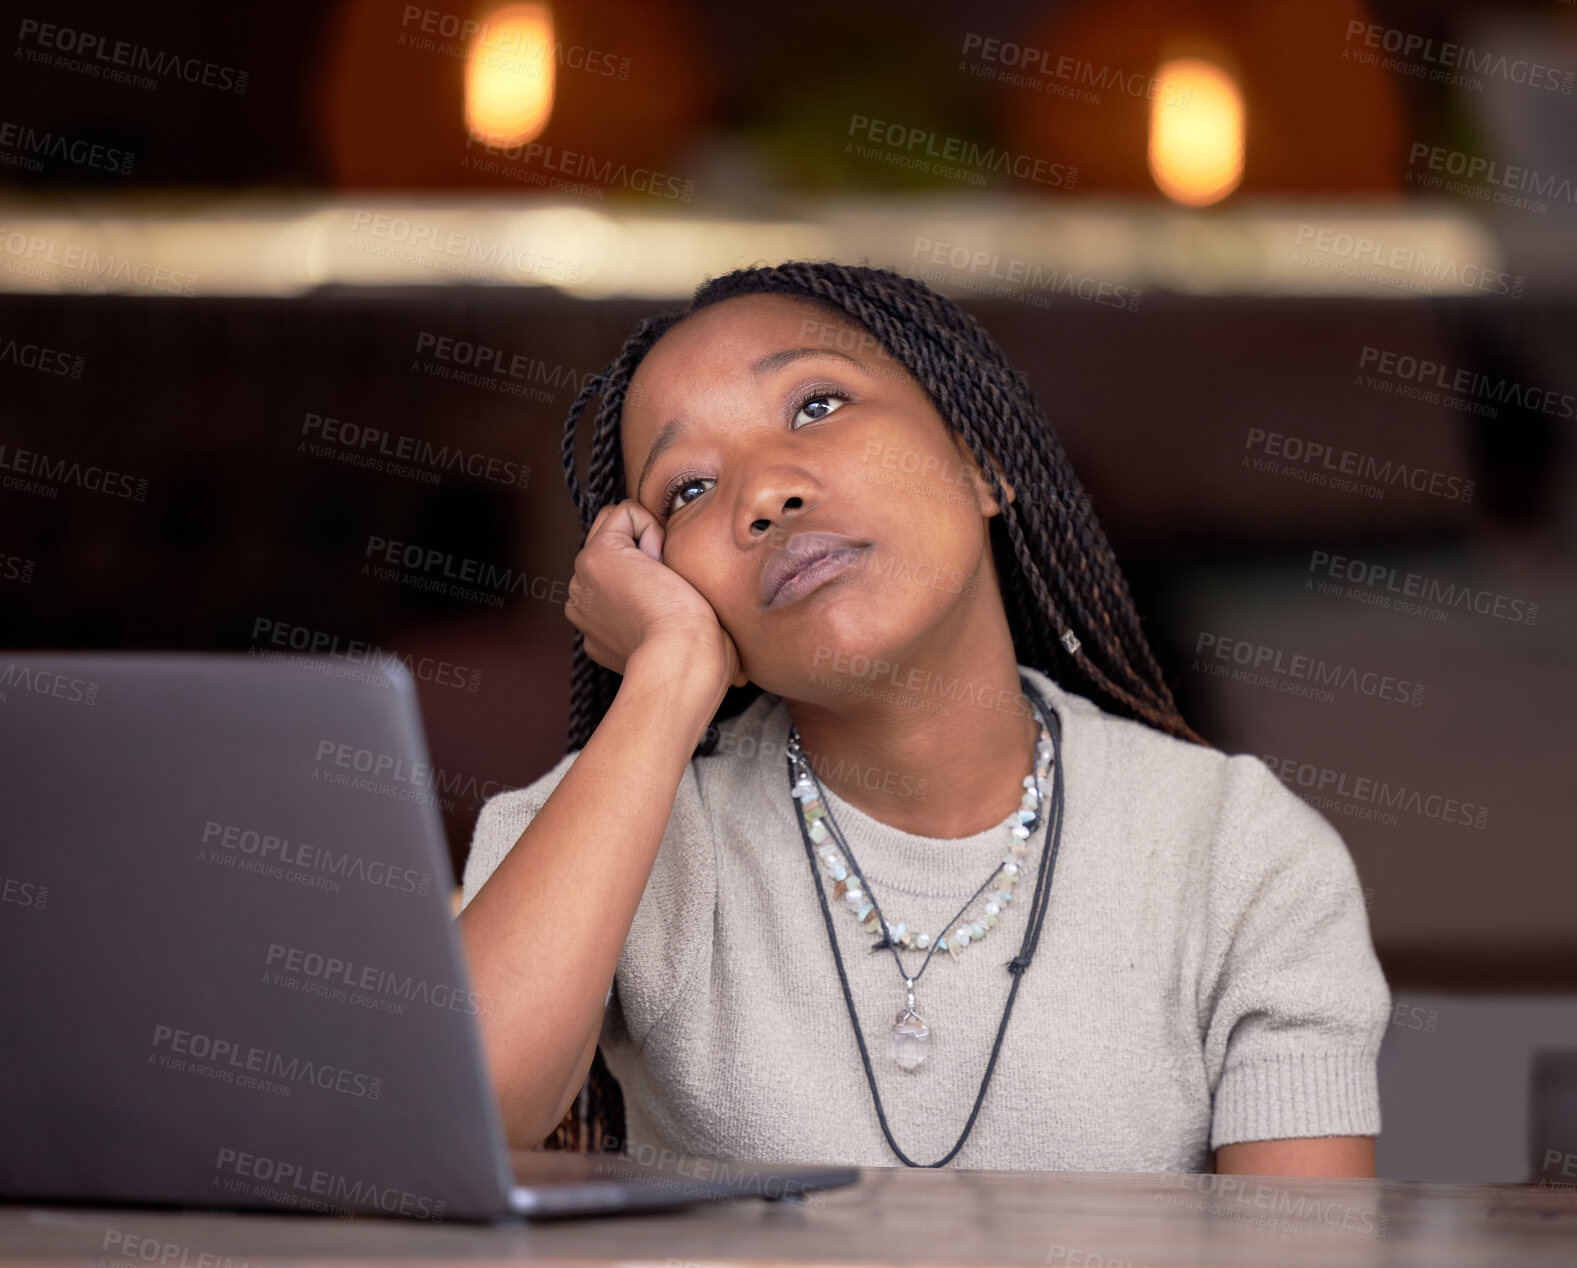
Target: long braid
(1046, 460)
(592, 686)
(1056, 568)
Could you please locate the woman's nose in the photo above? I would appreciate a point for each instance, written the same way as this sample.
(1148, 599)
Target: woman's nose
(774, 499)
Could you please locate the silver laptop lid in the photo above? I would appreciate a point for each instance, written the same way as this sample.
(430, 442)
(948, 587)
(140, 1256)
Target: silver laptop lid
(227, 971)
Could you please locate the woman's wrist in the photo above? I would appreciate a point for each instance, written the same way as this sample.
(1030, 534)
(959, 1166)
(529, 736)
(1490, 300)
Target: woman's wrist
(680, 680)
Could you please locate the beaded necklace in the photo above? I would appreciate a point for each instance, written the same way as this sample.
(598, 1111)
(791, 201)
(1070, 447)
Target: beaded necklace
(911, 1033)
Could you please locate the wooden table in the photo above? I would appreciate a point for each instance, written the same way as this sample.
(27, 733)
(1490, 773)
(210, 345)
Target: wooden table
(895, 1215)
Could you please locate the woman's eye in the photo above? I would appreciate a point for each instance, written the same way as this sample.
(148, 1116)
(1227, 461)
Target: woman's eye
(818, 407)
(676, 500)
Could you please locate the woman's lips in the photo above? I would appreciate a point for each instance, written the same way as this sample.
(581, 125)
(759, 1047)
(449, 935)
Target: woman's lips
(813, 574)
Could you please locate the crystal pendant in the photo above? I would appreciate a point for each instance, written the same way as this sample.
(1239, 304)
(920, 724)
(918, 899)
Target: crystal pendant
(910, 1037)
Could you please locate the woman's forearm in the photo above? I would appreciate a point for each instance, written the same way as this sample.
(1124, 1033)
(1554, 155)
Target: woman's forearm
(1304, 1156)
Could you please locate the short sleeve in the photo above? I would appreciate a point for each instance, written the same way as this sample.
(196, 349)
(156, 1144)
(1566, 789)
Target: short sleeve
(671, 932)
(1293, 999)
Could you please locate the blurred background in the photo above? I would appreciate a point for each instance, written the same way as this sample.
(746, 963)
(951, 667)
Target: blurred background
(285, 286)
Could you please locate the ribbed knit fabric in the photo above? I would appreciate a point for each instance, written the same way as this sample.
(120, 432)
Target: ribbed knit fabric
(1204, 975)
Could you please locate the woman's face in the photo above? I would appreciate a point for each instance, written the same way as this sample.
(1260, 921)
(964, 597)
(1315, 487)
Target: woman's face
(764, 418)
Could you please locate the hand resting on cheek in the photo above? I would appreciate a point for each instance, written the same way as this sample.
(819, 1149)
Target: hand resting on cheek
(623, 598)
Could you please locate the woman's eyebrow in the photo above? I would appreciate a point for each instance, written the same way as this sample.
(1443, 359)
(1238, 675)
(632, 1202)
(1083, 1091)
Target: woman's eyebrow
(777, 360)
(762, 365)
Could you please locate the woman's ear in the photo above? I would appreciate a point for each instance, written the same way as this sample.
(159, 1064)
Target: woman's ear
(982, 483)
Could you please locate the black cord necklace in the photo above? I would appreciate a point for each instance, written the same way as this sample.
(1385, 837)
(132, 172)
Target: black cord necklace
(1015, 966)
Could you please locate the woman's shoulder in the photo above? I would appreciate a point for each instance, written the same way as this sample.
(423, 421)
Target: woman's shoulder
(740, 741)
(503, 817)
(1225, 795)
(507, 814)
(1199, 774)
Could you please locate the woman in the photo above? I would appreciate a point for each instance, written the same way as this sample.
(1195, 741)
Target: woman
(824, 488)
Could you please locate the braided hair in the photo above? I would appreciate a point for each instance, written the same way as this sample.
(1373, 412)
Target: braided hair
(1067, 602)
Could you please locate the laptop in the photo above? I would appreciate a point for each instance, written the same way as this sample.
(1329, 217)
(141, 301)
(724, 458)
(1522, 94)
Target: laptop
(229, 975)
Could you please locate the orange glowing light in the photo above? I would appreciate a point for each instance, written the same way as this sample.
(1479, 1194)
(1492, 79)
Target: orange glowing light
(1196, 133)
(509, 74)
